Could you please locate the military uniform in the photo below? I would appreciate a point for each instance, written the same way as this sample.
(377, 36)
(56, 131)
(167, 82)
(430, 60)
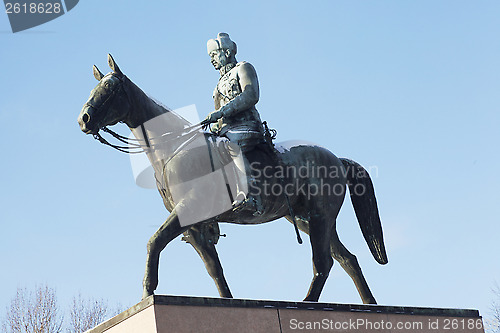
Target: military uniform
(240, 121)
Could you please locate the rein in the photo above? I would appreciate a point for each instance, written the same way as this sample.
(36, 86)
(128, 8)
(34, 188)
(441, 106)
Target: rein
(124, 149)
(134, 146)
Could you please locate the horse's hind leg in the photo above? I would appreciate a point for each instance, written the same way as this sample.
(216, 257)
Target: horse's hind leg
(203, 238)
(350, 264)
(319, 234)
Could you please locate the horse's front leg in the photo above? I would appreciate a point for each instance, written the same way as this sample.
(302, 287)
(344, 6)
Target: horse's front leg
(165, 234)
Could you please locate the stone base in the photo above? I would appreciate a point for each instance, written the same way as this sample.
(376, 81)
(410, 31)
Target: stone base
(179, 314)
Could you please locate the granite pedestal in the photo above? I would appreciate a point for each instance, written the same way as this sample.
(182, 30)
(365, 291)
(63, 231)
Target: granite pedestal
(179, 314)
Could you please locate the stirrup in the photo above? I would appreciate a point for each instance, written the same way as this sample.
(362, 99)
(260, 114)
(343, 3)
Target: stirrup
(241, 197)
(241, 201)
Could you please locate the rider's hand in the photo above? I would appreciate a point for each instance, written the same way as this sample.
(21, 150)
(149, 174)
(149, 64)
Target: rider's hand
(211, 118)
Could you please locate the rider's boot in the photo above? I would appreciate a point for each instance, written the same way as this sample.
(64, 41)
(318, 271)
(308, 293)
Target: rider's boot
(247, 189)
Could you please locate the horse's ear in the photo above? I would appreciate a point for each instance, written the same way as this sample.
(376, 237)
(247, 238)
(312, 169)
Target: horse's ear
(112, 64)
(97, 73)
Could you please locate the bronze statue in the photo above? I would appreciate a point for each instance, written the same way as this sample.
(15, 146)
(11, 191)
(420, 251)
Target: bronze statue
(235, 97)
(181, 153)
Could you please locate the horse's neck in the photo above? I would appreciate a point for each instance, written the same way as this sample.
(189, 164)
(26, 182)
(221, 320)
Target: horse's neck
(155, 126)
(145, 110)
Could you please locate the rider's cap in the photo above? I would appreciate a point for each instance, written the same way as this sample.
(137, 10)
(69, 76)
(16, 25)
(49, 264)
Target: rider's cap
(221, 42)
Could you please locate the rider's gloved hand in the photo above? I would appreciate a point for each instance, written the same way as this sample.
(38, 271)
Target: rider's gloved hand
(211, 118)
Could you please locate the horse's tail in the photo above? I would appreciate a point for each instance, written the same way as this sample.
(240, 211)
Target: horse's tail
(365, 206)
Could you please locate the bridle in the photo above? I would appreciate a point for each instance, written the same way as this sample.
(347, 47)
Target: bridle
(134, 146)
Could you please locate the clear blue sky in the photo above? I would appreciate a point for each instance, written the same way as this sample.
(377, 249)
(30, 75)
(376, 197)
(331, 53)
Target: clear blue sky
(409, 88)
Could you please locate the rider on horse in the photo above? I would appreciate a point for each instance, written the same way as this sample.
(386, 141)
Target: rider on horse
(235, 97)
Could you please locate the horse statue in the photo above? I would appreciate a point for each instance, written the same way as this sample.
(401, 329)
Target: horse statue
(179, 156)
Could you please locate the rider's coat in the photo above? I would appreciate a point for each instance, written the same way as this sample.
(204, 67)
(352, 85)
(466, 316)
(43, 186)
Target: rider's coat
(238, 91)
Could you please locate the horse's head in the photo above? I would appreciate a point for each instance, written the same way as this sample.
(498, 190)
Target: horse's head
(108, 102)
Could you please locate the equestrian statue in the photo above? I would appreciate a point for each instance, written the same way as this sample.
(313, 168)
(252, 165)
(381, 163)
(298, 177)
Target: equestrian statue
(227, 168)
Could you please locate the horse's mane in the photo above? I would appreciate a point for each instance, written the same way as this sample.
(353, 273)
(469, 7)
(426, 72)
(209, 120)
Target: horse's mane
(166, 108)
(145, 99)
